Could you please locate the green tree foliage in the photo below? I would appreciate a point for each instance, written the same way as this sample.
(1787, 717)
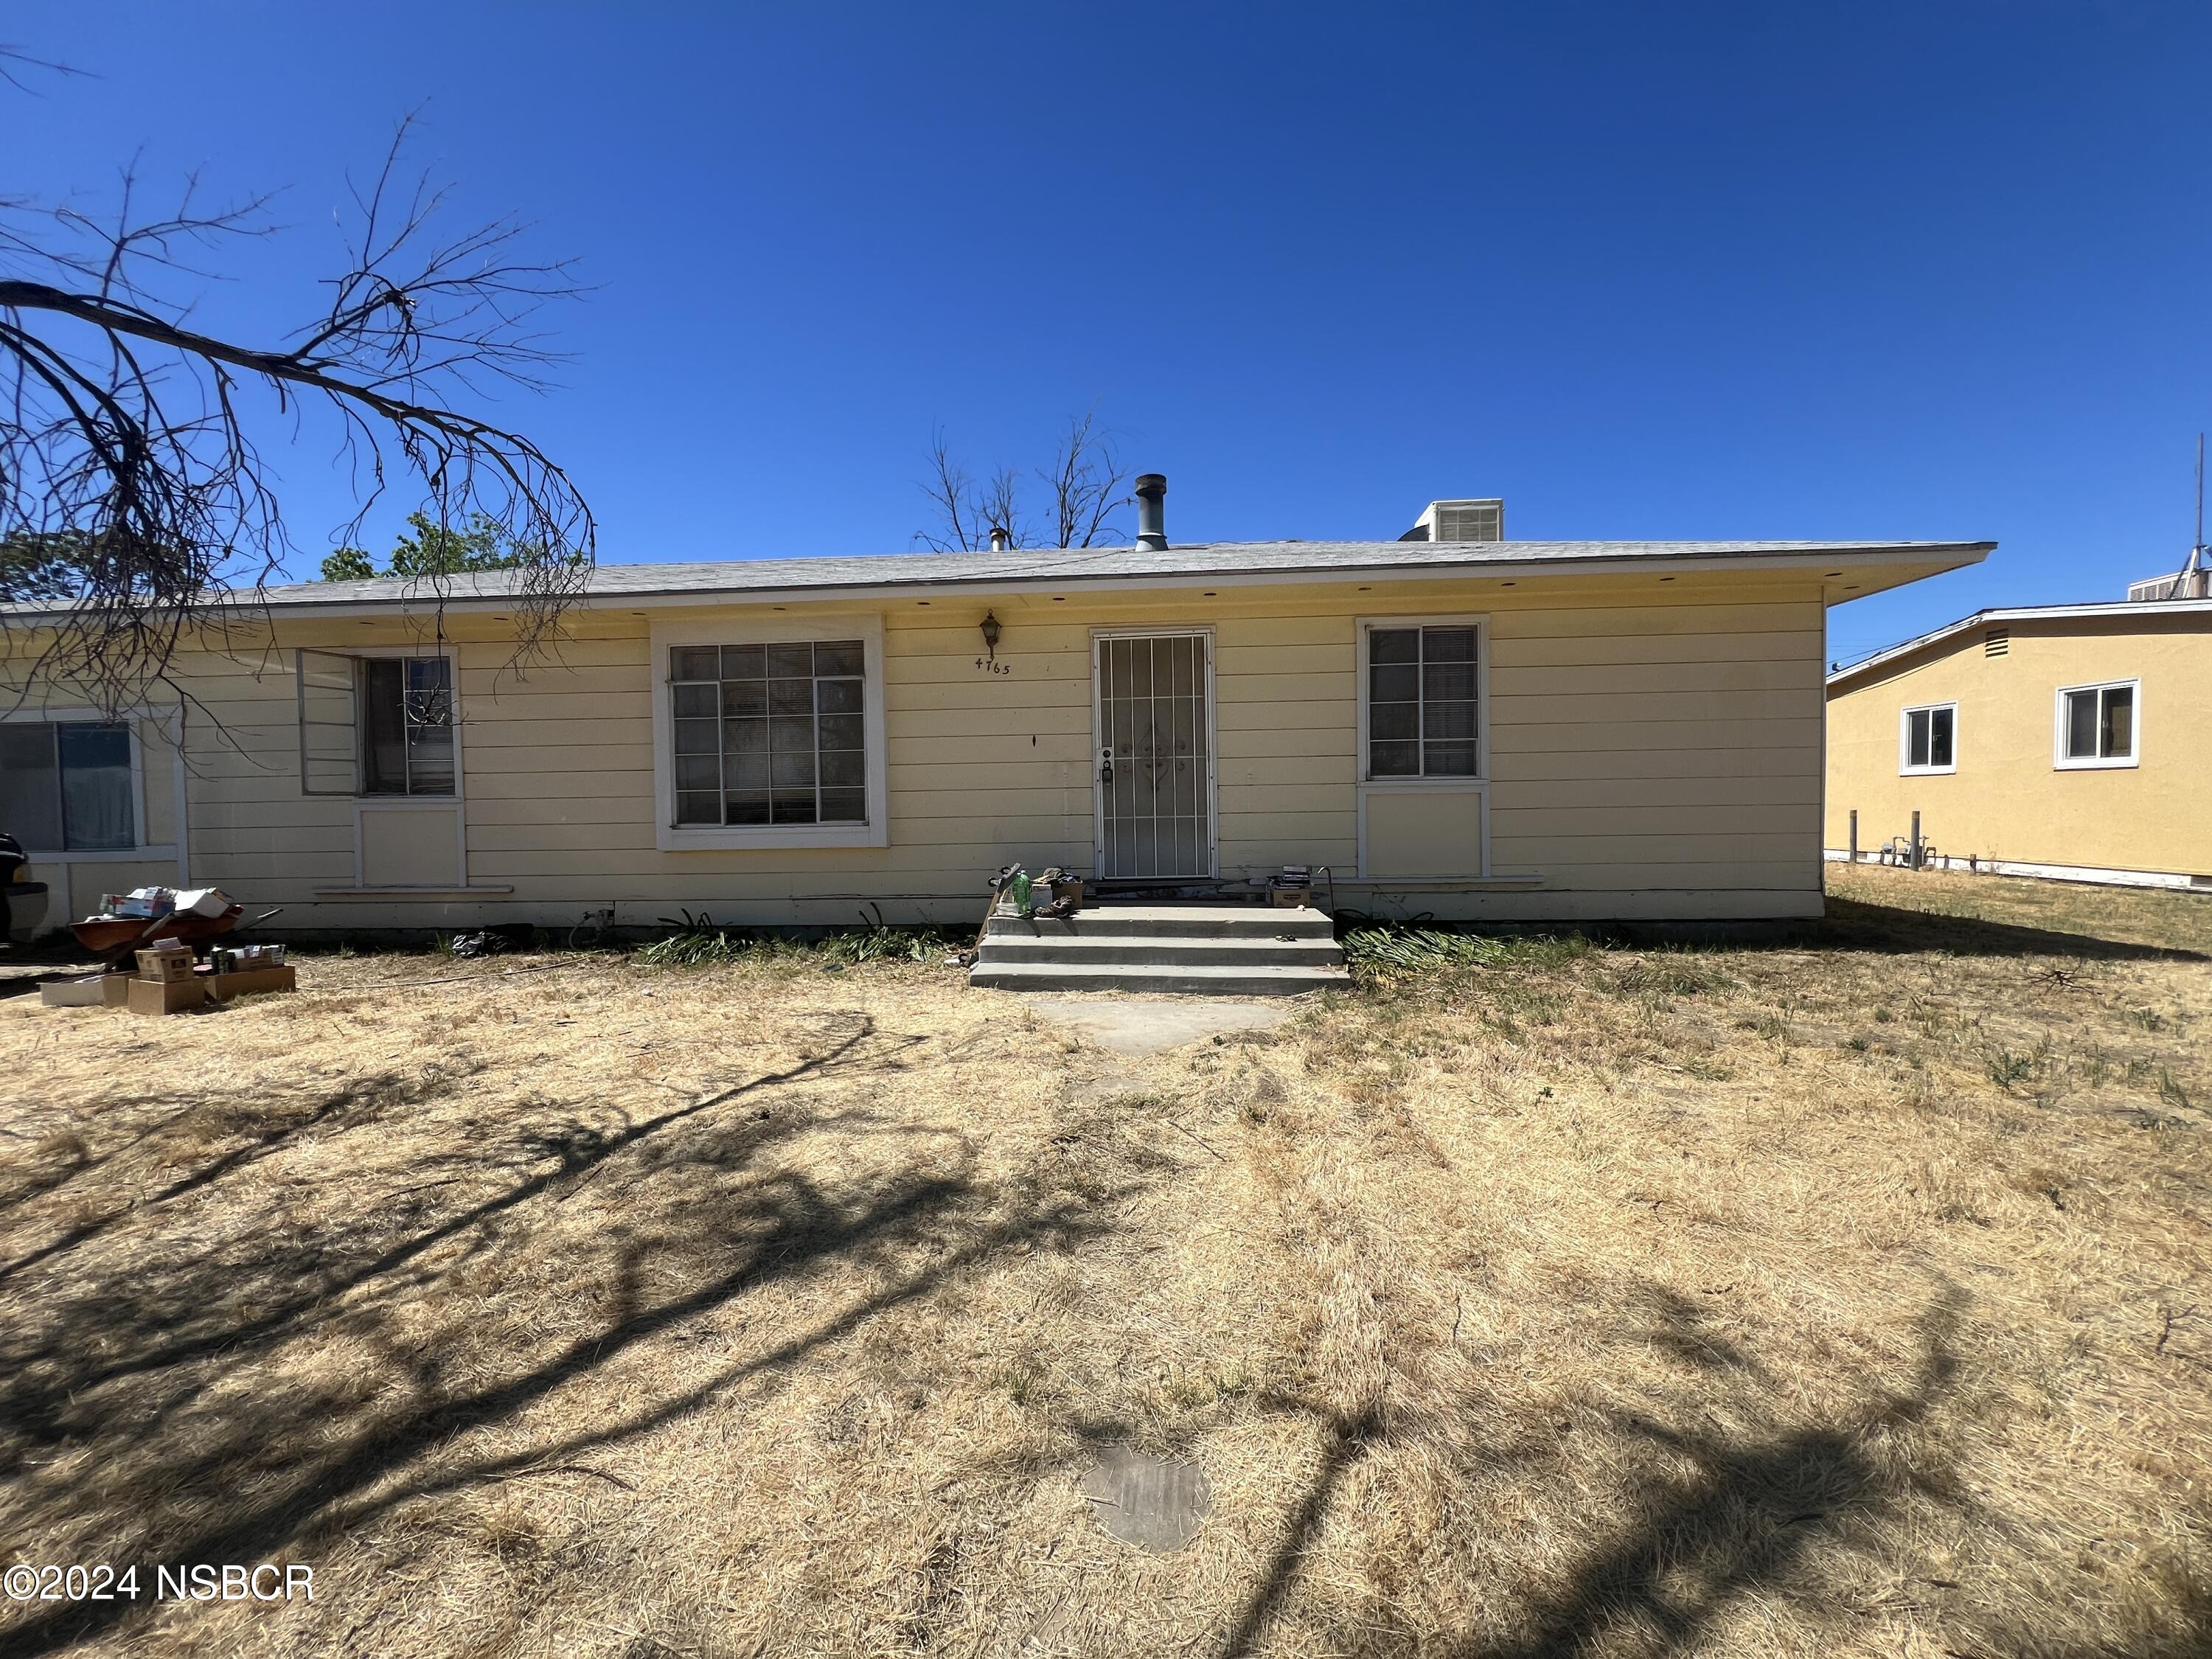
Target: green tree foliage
(349, 564)
(436, 549)
(35, 566)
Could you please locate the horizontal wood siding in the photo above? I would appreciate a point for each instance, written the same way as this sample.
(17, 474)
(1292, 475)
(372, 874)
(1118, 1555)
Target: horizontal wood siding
(1651, 756)
(1641, 752)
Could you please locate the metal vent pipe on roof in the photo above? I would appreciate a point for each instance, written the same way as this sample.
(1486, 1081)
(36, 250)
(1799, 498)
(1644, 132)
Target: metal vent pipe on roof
(1002, 538)
(1151, 511)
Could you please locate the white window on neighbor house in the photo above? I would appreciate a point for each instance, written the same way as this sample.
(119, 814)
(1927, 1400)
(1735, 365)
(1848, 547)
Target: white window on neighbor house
(771, 737)
(2098, 726)
(1421, 701)
(68, 786)
(1928, 738)
(376, 725)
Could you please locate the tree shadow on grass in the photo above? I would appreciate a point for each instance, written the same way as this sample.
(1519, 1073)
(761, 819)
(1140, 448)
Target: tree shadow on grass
(1733, 1513)
(1349, 1439)
(1861, 926)
(1742, 1521)
(267, 1130)
(171, 1312)
(1724, 1514)
(187, 1418)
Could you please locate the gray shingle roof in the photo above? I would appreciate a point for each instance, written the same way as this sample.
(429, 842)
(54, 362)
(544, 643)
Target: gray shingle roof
(1119, 566)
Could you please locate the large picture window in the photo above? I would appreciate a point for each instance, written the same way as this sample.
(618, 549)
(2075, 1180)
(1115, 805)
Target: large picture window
(769, 734)
(2097, 725)
(65, 785)
(1928, 739)
(1422, 701)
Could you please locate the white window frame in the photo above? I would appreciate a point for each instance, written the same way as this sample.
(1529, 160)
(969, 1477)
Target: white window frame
(1478, 785)
(1906, 768)
(365, 804)
(452, 662)
(1480, 777)
(868, 627)
(2063, 761)
(358, 654)
(139, 851)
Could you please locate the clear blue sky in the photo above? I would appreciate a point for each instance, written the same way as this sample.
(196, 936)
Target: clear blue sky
(1645, 270)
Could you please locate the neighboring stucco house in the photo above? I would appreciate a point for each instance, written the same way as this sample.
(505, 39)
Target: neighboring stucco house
(2063, 740)
(1458, 728)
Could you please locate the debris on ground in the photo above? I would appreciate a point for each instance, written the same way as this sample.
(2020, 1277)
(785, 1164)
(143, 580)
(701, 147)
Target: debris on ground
(490, 941)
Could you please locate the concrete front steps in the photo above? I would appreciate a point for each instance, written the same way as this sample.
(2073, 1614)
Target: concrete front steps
(1218, 950)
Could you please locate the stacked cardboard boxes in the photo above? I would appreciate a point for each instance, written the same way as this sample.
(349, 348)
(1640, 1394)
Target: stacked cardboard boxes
(168, 981)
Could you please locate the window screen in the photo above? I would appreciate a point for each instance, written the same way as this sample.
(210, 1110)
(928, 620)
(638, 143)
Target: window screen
(1928, 737)
(1421, 702)
(65, 785)
(2101, 723)
(769, 734)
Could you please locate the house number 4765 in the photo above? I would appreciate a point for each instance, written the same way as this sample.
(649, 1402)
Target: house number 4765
(991, 667)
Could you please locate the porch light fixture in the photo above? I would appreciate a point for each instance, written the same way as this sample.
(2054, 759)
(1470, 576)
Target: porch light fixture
(990, 635)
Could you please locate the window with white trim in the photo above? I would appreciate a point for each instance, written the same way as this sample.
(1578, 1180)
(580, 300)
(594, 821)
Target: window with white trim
(2097, 725)
(65, 785)
(1423, 695)
(1928, 739)
(375, 726)
(769, 732)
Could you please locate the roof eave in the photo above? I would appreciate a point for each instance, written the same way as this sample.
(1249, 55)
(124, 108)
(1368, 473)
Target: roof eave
(2146, 609)
(1942, 555)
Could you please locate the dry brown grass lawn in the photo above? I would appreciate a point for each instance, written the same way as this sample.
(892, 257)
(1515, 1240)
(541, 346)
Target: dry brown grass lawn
(1843, 1298)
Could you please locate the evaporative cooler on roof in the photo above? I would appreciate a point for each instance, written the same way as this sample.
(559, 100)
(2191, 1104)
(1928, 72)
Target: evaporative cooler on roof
(1459, 521)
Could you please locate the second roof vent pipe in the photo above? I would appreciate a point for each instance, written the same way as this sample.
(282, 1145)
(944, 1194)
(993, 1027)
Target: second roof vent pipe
(1151, 511)
(1002, 538)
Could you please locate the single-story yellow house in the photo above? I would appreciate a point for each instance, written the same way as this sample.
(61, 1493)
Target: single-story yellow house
(2068, 741)
(1472, 729)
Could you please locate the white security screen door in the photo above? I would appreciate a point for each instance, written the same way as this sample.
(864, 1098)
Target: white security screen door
(1155, 755)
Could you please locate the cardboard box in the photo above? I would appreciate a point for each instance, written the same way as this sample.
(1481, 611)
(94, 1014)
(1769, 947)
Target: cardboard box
(93, 991)
(169, 960)
(166, 996)
(251, 981)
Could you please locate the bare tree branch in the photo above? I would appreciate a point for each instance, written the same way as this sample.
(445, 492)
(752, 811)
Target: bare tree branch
(954, 504)
(1085, 479)
(1084, 483)
(14, 61)
(126, 446)
(1002, 508)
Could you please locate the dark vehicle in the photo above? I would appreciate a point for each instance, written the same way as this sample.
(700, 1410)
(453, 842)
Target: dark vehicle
(22, 900)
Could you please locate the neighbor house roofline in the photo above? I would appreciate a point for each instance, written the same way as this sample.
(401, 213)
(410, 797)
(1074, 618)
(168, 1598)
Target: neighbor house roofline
(2099, 611)
(1092, 570)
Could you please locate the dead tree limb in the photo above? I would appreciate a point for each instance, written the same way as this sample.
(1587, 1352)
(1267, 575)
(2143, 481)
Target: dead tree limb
(128, 453)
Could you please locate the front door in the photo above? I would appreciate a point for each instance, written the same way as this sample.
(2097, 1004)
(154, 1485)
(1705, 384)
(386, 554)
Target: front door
(1154, 754)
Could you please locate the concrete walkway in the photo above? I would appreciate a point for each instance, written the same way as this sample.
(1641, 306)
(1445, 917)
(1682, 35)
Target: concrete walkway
(1137, 1026)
